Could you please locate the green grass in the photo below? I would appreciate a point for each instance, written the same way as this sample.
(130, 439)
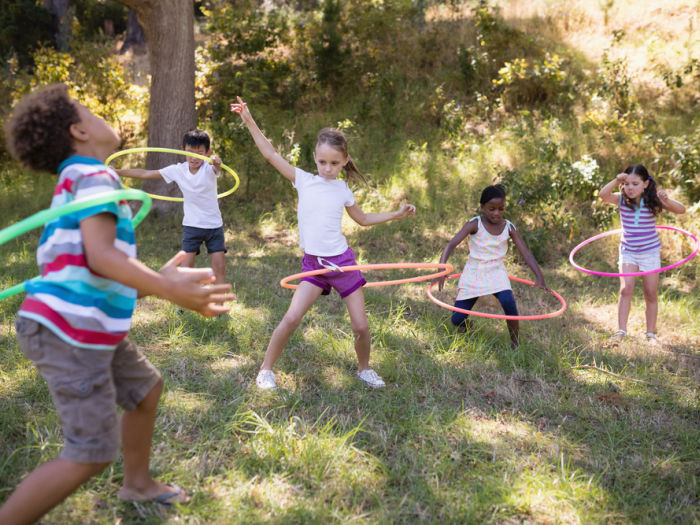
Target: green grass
(467, 430)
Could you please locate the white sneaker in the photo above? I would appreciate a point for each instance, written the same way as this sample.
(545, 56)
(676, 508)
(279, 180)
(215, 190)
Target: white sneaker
(652, 340)
(266, 380)
(372, 378)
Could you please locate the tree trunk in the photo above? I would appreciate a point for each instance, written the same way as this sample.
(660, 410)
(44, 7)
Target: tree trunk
(169, 29)
(61, 10)
(134, 39)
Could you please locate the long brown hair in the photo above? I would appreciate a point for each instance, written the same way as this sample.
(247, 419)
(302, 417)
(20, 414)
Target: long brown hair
(335, 139)
(651, 199)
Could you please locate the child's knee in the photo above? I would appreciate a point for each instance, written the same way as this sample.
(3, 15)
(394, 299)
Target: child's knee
(627, 290)
(151, 399)
(360, 329)
(93, 469)
(291, 320)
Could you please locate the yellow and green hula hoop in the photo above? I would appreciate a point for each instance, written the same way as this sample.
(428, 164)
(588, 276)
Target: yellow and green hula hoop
(177, 152)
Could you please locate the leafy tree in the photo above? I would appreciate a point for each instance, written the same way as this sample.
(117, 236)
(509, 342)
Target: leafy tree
(169, 29)
(24, 26)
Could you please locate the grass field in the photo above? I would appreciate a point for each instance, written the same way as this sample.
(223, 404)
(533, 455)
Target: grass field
(468, 430)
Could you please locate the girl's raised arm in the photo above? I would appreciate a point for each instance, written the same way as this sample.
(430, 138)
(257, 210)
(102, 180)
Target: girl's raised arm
(606, 192)
(668, 203)
(529, 258)
(265, 146)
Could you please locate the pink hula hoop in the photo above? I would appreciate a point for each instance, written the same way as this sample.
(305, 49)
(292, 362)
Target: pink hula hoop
(632, 274)
(444, 267)
(429, 293)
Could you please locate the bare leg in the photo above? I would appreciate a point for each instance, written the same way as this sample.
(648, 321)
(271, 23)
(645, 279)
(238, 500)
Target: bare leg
(650, 284)
(304, 297)
(188, 261)
(513, 330)
(44, 488)
(355, 303)
(137, 435)
(218, 265)
(624, 303)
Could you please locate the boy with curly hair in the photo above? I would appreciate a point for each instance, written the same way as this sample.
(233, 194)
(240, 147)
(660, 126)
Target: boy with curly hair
(74, 321)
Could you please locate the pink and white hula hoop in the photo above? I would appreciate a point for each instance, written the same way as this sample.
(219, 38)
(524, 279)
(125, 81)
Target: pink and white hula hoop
(429, 293)
(632, 274)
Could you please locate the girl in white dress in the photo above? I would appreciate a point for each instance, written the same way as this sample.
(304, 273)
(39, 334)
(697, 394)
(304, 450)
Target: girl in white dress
(485, 272)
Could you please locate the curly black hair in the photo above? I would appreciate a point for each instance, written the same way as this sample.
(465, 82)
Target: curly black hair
(38, 132)
(492, 192)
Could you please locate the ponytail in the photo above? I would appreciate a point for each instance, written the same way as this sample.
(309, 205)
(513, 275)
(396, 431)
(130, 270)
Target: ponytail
(353, 174)
(336, 139)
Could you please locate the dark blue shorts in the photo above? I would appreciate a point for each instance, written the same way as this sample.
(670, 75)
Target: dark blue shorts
(192, 239)
(505, 297)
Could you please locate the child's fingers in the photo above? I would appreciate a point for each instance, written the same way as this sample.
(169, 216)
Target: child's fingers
(238, 107)
(222, 290)
(221, 298)
(212, 310)
(197, 275)
(175, 260)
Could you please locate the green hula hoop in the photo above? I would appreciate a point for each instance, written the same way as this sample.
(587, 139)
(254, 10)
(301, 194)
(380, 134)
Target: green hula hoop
(44, 216)
(177, 152)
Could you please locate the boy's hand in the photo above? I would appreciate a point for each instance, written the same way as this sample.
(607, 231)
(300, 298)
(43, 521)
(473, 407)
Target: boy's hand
(405, 210)
(187, 290)
(216, 163)
(663, 196)
(242, 109)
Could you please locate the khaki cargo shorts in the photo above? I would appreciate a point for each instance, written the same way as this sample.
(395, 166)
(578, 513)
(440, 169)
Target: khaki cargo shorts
(86, 387)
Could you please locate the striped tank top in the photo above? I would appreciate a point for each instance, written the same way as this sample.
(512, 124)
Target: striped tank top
(638, 228)
(80, 306)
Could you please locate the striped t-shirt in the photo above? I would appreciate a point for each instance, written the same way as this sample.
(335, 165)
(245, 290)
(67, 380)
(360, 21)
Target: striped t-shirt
(80, 306)
(638, 228)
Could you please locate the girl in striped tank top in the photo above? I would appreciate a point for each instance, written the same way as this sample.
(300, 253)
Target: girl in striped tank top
(485, 272)
(639, 202)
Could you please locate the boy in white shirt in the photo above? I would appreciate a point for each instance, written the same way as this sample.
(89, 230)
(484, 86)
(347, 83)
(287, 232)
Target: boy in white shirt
(196, 179)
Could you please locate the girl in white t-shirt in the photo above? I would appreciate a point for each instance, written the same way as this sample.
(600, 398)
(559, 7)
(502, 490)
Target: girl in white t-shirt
(322, 199)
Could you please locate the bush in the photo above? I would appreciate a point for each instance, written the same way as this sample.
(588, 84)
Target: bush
(92, 16)
(94, 76)
(525, 83)
(685, 173)
(24, 27)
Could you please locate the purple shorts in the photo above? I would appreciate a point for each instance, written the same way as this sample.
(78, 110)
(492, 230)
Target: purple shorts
(344, 282)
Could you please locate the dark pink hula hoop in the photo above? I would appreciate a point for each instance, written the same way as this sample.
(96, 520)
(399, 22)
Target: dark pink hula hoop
(633, 274)
(429, 293)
